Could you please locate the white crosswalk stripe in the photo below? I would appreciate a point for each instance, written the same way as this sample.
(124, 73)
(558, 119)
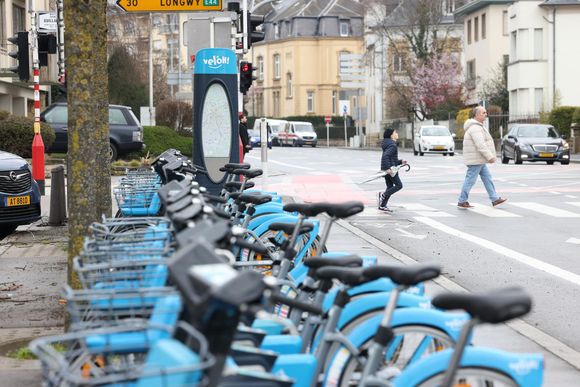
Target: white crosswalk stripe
(490, 211)
(577, 204)
(546, 210)
(427, 211)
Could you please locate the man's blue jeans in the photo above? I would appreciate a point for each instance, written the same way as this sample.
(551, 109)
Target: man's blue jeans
(471, 177)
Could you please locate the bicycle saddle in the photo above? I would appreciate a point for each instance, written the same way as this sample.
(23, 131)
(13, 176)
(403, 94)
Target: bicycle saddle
(249, 173)
(344, 210)
(306, 209)
(492, 307)
(288, 228)
(345, 261)
(254, 198)
(351, 276)
(236, 185)
(403, 275)
(230, 167)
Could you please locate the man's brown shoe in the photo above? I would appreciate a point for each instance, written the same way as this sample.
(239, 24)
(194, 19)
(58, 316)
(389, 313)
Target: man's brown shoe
(464, 205)
(498, 202)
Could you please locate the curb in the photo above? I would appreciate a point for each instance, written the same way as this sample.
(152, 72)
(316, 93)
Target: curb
(10, 336)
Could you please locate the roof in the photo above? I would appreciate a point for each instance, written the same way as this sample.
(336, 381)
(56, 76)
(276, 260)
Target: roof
(399, 16)
(476, 5)
(553, 3)
(290, 9)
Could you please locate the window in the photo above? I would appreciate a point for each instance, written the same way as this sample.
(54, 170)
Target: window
(538, 43)
(539, 100)
(469, 31)
(310, 101)
(260, 104)
(505, 23)
(260, 68)
(483, 27)
(277, 66)
(334, 102)
(476, 29)
(289, 28)
(18, 19)
(116, 117)
(448, 7)
(289, 85)
(343, 28)
(2, 17)
(523, 44)
(57, 115)
(398, 62)
(470, 73)
(514, 46)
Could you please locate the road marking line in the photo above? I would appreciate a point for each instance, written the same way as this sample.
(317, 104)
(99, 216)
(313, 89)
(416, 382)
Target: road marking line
(555, 192)
(281, 163)
(577, 204)
(522, 258)
(551, 344)
(572, 196)
(546, 210)
(489, 211)
(424, 210)
(575, 241)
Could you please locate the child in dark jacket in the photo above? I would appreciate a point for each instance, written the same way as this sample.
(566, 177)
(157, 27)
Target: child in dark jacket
(390, 159)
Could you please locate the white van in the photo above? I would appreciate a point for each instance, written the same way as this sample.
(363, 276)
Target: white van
(275, 127)
(434, 139)
(298, 133)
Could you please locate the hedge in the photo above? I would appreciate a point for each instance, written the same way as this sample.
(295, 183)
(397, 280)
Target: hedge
(160, 138)
(561, 118)
(17, 133)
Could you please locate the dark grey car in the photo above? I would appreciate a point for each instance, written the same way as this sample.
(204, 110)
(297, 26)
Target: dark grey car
(125, 131)
(534, 142)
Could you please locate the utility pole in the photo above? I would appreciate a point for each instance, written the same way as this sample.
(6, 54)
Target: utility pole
(151, 113)
(37, 143)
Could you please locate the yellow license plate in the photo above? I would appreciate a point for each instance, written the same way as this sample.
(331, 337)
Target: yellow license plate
(542, 154)
(17, 201)
(439, 147)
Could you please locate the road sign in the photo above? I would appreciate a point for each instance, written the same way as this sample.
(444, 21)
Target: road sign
(169, 5)
(47, 21)
(327, 119)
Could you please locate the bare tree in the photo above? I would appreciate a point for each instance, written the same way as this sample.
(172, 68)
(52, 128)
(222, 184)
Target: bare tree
(89, 179)
(415, 33)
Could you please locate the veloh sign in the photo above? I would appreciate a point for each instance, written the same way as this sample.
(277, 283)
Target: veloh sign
(47, 21)
(216, 62)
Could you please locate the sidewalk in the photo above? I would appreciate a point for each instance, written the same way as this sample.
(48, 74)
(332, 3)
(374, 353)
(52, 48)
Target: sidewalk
(33, 264)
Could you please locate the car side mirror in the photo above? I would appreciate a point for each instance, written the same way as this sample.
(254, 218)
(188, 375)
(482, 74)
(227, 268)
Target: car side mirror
(564, 137)
(511, 137)
(453, 135)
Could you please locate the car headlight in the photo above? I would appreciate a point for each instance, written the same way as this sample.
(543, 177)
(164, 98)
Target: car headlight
(565, 145)
(525, 146)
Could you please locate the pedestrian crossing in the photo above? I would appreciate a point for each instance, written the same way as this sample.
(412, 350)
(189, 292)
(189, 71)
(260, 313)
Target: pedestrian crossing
(512, 209)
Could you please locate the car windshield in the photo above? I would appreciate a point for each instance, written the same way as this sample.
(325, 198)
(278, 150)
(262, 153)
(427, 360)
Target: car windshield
(436, 132)
(537, 131)
(274, 128)
(303, 128)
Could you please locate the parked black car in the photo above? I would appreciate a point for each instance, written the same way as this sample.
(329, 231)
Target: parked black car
(19, 193)
(125, 131)
(534, 142)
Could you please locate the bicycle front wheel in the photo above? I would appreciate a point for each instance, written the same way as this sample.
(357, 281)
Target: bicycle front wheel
(473, 377)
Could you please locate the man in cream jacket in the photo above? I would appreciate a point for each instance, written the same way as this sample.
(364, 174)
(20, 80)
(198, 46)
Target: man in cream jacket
(478, 151)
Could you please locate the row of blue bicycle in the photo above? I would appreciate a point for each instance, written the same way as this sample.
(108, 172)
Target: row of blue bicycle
(188, 288)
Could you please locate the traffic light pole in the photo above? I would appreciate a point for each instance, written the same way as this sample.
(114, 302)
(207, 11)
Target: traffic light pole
(37, 143)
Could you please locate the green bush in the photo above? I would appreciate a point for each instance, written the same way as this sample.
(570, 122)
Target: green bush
(561, 118)
(17, 133)
(160, 138)
(576, 116)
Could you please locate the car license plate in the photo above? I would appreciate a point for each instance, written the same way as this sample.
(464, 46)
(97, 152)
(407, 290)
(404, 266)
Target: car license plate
(439, 147)
(543, 154)
(17, 201)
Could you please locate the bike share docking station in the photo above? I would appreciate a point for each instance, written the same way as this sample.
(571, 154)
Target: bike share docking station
(215, 115)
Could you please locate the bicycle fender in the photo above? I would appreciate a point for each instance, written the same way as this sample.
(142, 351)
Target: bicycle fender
(525, 369)
(256, 222)
(376, 301)
(269, 208)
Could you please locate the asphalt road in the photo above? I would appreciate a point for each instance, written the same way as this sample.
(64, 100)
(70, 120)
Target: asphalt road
(533, 240)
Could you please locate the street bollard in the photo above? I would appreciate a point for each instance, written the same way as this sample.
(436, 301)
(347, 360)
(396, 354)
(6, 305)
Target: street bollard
(57, 197)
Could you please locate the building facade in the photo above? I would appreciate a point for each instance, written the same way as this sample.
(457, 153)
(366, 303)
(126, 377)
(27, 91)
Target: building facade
(298, 63)
(485, 42)
(16, 97)
(542, 70)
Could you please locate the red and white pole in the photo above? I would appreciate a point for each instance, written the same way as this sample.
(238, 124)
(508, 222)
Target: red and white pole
(37, 143)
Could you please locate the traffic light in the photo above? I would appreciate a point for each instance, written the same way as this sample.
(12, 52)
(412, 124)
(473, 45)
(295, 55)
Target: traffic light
(21, 55)
(246, 76)
(255, 36)
(46, 45)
